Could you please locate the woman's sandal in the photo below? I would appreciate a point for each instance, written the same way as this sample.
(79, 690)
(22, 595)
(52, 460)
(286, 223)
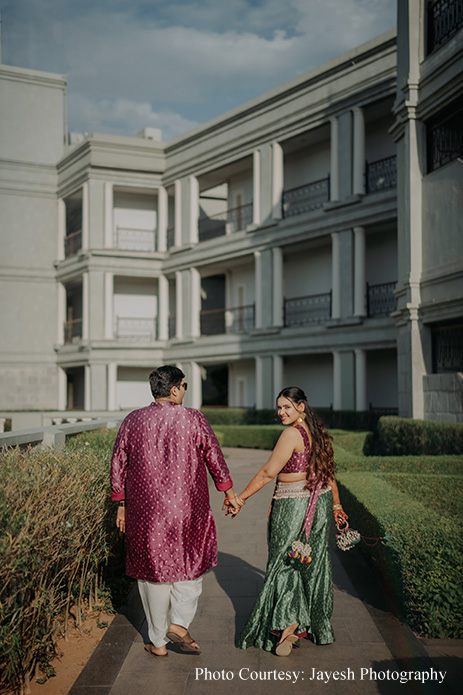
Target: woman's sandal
(285, 647)
(185, 643)
(149, 648)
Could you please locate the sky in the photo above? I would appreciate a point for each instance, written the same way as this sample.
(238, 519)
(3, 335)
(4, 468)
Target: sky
(174, 64)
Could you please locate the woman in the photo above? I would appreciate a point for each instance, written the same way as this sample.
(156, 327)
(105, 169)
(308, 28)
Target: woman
(297, 596)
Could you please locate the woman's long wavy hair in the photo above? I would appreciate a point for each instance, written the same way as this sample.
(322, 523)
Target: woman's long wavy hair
(322, 465)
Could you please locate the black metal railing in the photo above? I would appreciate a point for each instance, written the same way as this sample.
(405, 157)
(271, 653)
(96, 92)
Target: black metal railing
(445, 17)
(72, 243)
(381, 175)
(313, 308)
(226, 222)
(72, 329)
(172, 324)
(447, 348)
(239, 319)
(310, 196)
(130, 328)
(381, 300)
(131, 239)
(445, 140)
(170, 237)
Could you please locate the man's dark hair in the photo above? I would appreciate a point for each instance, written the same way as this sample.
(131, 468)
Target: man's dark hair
(163, 379)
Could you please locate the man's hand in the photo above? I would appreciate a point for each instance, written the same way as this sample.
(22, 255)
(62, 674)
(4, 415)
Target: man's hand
(120, 519)
(231, 506)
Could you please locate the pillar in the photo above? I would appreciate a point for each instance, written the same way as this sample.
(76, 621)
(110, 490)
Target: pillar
(194, 209)
(108, 306)
(178, 213)
(256, 187)
(195, 296)
(194, 392)
(277, 179)
(163, 308)
(61, 313)
(61, 229)
(108, 215)
(178, 305)
(259, 383)
(87, 388)
(335, 273)
(334, 160)
(161, 242)
(62, 389)
(277, 287)
(360, 300)
(359, 151)
(337, 381)
(360, 380)
(258, 287)
(112, 386)
(85, 307)
(85, 239)
(277, 374)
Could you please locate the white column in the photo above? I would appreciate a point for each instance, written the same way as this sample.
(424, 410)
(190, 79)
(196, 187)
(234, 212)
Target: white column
(337, 380)
(258, 287)
(334, 160)
(178, 305)
(163, 308)
(195, 302)
(256, 187)
(360, 299)
(178, 213)
(360, 380)
(61, 229)
(108, 215)
(277, 286)
(277, 178)
(194, 209)
(85, 239)
(359, 151)
(194, 393)
(85, 307)
(259, 383)
(161, 241)
(61, 313)
(62, 389)
(87, 388)
(112, 386)
(335, 272)
(108, 305)
(277, 374)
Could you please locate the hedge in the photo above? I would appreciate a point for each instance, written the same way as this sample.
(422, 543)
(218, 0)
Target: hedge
(395, 436)
(423, 562)
(345, 419)
(248, 436)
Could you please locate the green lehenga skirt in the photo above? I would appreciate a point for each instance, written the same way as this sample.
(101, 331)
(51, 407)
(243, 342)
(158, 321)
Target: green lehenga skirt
(294, 592)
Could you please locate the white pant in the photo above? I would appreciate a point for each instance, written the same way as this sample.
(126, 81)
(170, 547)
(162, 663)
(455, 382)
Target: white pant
(168, 603)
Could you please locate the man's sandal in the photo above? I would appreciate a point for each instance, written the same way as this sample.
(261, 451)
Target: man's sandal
(149, 648)
(285, 647)
(185, 643)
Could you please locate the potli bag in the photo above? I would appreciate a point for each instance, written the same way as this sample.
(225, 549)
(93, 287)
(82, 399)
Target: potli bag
(346, 537)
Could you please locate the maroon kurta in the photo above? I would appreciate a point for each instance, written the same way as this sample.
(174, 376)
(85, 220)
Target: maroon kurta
(159, 467)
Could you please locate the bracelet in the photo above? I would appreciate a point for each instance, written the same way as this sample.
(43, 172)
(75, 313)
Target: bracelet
(240, 501)
(122, 503)
(337, 506)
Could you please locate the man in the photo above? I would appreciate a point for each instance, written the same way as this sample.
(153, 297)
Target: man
(159, 478)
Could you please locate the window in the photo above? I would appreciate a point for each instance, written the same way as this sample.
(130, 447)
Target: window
(445, 137)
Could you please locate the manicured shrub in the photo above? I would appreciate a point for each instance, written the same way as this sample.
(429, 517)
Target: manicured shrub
(248, 436)
(422, 563)
(396, 436)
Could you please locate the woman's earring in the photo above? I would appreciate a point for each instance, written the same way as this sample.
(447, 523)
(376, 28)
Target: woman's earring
(300, 418)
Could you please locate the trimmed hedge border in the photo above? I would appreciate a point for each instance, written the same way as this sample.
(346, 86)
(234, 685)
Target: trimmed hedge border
(341, 419)
(248, 436)
(423, 562)
(396, 436)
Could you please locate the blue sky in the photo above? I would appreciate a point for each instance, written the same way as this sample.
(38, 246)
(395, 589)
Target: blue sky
(173, 64)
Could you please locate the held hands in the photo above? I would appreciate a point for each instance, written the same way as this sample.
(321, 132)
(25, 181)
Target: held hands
(120, 519)
(232, 505)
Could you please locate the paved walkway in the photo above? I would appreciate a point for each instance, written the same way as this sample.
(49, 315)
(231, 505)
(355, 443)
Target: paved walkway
(371, 648)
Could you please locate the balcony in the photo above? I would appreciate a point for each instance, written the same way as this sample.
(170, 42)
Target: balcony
(72, 243)
(136, 328)
(306, 198)
(445, 17)
(381, 300)
(240, 319)
(72, 331)
(447, 348)
(130, 239)
(226, 222)
(314, 308)
(381, 175)
(445, 140)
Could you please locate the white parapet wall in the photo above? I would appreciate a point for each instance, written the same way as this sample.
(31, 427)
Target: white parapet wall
(55, 435)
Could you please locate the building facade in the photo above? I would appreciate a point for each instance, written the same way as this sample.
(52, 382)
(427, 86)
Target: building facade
(311, 236)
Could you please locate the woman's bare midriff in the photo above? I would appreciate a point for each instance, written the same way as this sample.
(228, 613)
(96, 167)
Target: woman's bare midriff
(291, 477)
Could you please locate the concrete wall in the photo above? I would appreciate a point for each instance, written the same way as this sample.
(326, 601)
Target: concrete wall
(133, 389)
(312, 373)
(381, 258)
(443, 397)
(307, 165)
(382, 378)
(307, 272)
(242, 384)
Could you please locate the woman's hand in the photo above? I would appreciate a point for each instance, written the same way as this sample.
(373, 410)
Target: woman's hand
(120, 519)
(231, 506)
(340, 517)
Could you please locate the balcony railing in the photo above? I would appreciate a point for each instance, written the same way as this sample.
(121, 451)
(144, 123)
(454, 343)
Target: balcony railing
(131, 239)
(381, 300)
(447, 348)
(240, 319)
(445, 140)
(381, 175)
(136, 328)
(170, 237)
(314, 308)
(72, 330)
(226, 222)
(305, 198)
(72, 243)
(445, 17)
